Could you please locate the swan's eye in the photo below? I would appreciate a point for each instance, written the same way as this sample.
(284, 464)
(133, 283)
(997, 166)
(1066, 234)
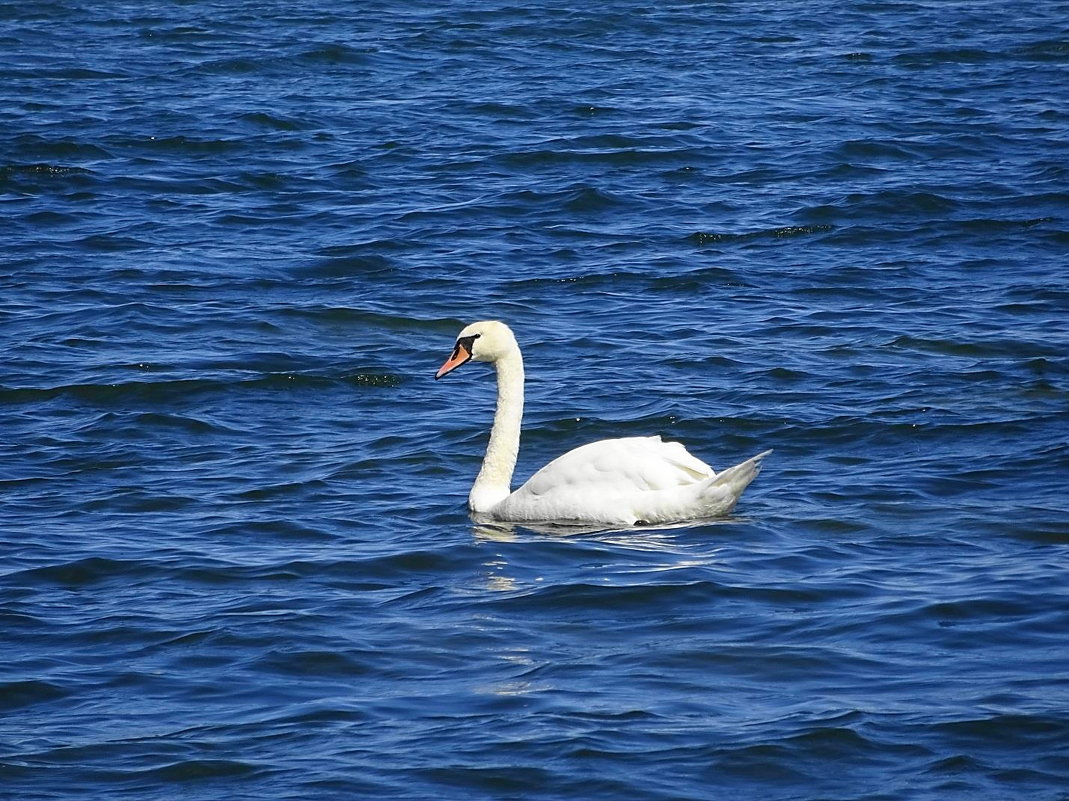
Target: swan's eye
(468, 342)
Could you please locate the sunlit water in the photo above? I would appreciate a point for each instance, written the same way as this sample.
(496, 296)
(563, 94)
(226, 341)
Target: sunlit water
(240, 237)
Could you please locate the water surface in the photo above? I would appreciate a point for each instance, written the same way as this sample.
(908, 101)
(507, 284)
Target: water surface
(239, 239)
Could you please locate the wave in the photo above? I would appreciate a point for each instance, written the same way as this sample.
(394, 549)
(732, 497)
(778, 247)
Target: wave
(779, 232)
(147, 392)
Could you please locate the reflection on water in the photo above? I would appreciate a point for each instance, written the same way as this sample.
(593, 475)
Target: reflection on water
(522, 663)
(609, 556)
(634, 536)
(496, 580)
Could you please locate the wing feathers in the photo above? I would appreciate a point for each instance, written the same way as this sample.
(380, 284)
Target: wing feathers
(626, 480)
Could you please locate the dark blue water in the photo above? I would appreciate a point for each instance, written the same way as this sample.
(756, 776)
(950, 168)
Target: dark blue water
(239, 238)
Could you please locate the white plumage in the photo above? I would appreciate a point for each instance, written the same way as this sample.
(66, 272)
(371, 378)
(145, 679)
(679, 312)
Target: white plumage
(629, 481)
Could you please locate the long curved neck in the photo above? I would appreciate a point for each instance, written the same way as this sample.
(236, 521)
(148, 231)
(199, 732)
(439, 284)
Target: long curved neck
(493, 483)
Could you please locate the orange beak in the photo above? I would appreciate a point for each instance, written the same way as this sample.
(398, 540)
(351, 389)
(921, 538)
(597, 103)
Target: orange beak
(461, 354)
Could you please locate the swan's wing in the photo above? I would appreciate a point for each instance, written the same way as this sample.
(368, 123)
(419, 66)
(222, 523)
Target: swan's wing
(605, 480)
(630, 464)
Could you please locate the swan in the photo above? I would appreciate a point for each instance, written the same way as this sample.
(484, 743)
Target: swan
(624, 482)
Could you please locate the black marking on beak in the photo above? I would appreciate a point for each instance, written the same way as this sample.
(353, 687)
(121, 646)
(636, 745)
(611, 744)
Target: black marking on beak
(461, 355)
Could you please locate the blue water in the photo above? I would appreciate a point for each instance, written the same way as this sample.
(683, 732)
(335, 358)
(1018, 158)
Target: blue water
(239, 238)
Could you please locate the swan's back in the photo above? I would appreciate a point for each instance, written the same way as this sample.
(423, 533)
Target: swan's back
(646, 463)
(614, 480)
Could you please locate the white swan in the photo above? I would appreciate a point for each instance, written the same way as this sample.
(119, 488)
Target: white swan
(630, 481)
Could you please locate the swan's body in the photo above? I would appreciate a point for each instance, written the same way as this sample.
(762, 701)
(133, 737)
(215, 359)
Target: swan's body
(627, 481)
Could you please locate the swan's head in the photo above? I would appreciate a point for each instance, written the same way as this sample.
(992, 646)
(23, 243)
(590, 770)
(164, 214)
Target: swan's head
(487, 341)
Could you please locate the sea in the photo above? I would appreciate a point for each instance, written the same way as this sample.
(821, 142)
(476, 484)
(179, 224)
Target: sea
(238, 238)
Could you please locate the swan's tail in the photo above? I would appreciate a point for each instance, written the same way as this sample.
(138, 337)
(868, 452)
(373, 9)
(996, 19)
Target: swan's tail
(718, 495)
(712, 497)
